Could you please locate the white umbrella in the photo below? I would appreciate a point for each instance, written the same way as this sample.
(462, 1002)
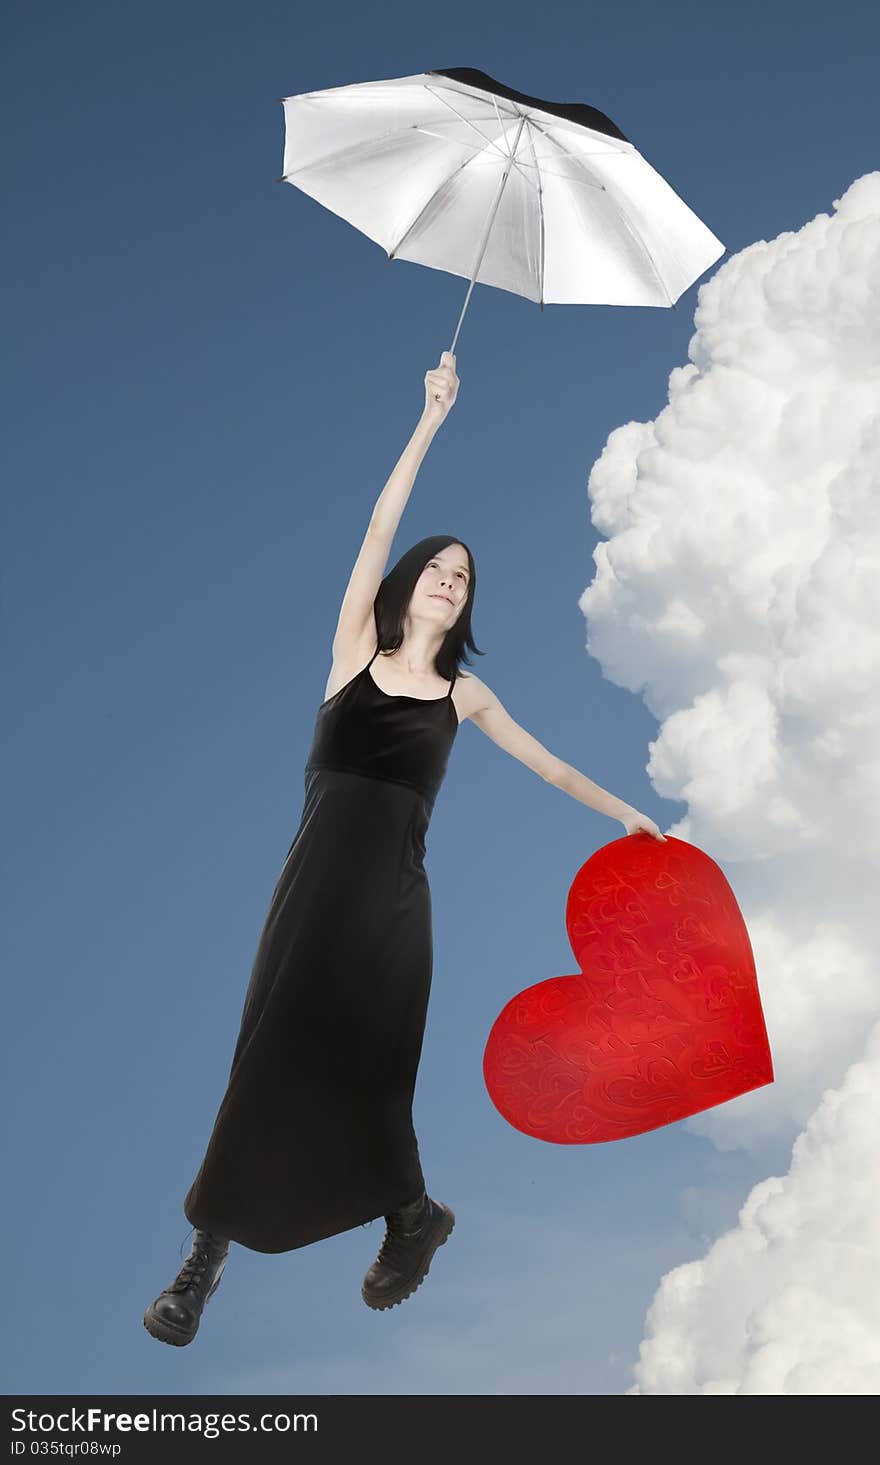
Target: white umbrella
(454, 170)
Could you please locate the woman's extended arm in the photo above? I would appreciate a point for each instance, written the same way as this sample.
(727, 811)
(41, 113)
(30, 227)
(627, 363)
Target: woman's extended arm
(356, 611)
(575, 783)
(441, 390)
(490, 715)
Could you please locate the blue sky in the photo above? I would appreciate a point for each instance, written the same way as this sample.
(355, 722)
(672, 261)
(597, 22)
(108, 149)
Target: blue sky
(209, 378)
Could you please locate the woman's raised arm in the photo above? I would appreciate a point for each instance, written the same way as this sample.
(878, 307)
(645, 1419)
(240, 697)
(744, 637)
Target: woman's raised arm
(441, 390)
(356, 612)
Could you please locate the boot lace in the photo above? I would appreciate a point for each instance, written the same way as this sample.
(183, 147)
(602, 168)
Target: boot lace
(397, 1239)
(194, 1267)
(391, 1249)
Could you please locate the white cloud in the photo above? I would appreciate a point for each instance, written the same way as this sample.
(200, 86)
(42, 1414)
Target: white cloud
(788, 1301)
(738, 590)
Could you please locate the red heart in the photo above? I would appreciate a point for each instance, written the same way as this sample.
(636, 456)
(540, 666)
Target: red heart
(663, 1020)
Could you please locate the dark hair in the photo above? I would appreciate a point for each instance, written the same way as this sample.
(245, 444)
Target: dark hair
(394, 595)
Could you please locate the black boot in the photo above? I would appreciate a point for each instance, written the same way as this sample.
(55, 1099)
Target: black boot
(174, 1316)
(412, 1236)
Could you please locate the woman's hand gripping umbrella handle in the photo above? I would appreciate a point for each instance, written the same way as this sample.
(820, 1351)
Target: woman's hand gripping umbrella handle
(441, 389)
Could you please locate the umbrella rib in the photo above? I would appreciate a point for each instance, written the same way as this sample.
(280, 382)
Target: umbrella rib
(347, 149)
(417, 127)
(448, 179)
(590, 181)
(471, 124)
(500, 123)
(633, 232)
(486, 140)
(409, 228)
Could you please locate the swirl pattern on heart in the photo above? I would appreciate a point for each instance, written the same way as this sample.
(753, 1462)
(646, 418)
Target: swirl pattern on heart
(664, 1018)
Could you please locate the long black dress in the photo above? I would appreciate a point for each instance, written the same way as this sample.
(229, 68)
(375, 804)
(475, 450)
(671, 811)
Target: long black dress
(314, 1134)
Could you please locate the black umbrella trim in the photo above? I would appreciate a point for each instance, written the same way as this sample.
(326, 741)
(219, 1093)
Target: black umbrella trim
(577, 112)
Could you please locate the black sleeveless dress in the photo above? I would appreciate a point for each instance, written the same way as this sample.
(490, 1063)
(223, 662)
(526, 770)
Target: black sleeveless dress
(314, 1134)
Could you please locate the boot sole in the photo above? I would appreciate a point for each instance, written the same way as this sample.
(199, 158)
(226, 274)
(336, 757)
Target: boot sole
(166, 1332)
(411, 1286)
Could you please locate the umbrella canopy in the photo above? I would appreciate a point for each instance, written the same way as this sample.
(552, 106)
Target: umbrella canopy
(454, 170)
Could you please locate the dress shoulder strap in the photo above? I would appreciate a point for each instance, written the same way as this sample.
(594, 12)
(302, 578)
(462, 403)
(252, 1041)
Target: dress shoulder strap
(376, 653)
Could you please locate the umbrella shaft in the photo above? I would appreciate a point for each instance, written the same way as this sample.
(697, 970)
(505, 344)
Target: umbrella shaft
(485, 239)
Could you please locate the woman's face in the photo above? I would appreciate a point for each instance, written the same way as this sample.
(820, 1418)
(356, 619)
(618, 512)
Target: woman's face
(441, 589)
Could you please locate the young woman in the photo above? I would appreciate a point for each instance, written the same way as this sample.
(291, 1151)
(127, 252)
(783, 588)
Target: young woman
(314, 1134)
